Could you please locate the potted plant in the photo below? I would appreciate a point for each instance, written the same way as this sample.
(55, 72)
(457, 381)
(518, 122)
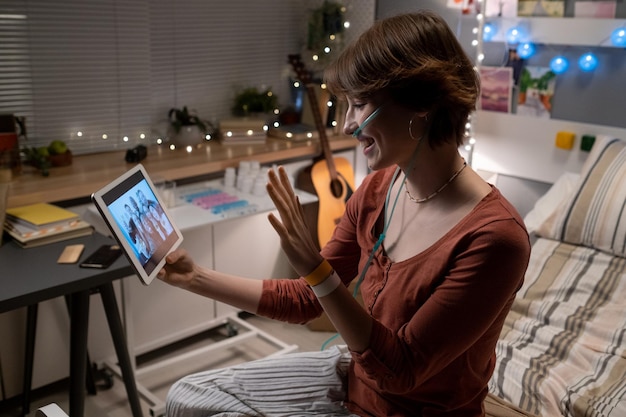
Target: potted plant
(250, 101)
(187, 128)
(56, 154)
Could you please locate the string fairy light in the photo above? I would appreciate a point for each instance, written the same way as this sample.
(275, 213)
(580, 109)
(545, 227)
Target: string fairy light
(477, 42)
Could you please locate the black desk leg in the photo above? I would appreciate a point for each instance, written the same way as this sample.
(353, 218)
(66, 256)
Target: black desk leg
(121, 349)
(79, 321)
(29, 355)
(91, 380)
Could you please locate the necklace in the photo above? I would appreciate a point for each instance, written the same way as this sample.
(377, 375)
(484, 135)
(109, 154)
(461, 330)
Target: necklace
(425, 199)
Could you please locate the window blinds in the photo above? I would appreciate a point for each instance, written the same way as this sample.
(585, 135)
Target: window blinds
(102, 74)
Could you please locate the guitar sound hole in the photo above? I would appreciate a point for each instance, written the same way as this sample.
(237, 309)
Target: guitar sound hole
(336, 188)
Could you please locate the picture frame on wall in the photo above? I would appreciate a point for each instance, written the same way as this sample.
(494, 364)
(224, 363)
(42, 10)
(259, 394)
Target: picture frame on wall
(496, 89)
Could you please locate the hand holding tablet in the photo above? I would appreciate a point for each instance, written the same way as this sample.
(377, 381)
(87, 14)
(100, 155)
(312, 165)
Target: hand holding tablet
(139, 221)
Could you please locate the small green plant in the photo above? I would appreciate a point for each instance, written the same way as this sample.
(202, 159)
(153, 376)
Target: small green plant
(251, 100)
(180, 118)
(39, 157)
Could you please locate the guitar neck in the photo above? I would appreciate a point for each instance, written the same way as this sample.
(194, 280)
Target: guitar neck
(321, 130)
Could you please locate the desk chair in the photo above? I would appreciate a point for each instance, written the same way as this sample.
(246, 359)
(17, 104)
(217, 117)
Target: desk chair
(50, 410)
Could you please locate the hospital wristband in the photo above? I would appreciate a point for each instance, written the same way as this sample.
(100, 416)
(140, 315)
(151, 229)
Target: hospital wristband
(319, 274)
(327, 286)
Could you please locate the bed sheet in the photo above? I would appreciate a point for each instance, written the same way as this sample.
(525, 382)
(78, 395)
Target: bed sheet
(562, 350)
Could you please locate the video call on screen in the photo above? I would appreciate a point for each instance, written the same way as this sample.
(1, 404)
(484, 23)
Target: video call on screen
(144, 224)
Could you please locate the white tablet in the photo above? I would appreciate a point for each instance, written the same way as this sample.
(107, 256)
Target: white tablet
(139, 221)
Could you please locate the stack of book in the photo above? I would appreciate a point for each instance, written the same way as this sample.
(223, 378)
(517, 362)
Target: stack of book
(42, 223)
(243, 130)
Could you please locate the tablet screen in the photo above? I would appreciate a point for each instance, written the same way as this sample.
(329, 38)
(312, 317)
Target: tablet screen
(139, 221)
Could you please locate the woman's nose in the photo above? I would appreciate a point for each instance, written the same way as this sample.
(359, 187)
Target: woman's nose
(349, 126)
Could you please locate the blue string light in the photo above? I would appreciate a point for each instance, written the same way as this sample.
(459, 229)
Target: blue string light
(515, 34)
(618, 37)
(526, 50)
(587, 62)
(518, 37)
(489, 31)
(559, 64)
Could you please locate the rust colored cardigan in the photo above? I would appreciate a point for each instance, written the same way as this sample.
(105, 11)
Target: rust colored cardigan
(437, 315)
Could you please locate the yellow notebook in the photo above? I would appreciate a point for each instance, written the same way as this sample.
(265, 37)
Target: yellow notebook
(40, 214)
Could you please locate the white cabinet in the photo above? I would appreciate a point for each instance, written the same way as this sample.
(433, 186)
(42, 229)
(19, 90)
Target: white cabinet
(249, 247)
(161, 314)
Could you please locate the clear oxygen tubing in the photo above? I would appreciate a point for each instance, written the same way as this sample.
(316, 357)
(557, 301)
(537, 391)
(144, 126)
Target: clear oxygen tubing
(379, 242)
(382, 235)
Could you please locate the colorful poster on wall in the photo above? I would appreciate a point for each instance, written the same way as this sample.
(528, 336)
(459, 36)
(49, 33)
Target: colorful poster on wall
(496, 87)
(536, 91)
(501, 8)
(595, 9)
(545, 8)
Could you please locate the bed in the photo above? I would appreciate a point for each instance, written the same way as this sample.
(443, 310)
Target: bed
(562, 351)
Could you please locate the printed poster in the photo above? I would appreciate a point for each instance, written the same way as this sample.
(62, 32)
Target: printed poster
(536, 91)
(544, 8)
(595, 9)
(501, 8)
(496, 85)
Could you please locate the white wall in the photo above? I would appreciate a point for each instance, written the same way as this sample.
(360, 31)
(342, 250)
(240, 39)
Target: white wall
(525, 147)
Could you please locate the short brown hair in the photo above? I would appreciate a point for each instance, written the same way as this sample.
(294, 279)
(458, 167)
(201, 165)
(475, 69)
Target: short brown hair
(419, 61)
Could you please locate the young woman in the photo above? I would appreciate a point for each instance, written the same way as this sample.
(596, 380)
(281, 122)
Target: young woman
(438, 253)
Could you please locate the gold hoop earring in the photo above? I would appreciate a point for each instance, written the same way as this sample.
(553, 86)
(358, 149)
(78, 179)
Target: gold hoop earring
(411, 128)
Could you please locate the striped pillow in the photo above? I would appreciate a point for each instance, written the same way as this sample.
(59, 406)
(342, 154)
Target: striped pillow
(595, 214)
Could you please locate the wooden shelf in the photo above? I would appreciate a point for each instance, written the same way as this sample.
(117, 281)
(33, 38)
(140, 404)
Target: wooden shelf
(90, 172)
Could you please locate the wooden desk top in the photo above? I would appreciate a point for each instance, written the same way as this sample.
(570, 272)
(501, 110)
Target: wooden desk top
(89, 173)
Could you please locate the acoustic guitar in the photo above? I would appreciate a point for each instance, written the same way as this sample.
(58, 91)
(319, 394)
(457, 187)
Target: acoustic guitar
(330, 178)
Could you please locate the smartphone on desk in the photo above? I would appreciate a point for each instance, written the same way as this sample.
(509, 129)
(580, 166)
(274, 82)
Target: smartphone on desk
(103, 257)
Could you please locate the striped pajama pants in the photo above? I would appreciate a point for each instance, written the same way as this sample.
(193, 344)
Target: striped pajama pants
(296, 384)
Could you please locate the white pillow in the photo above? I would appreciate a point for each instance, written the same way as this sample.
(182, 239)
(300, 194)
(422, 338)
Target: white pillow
(548, 203)
(594, 214)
